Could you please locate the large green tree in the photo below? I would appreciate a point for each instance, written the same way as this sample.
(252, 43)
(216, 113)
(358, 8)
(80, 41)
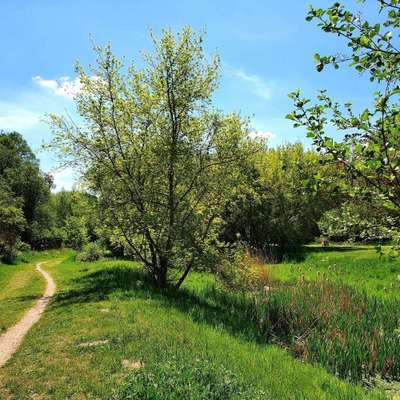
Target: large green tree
(22, 179)
(162, 160)
(370, 145)
(12, 222)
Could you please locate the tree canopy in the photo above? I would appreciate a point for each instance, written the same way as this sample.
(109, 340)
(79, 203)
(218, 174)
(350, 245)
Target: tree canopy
(24, 192)
(163, 162)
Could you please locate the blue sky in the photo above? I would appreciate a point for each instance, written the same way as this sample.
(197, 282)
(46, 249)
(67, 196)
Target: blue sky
(266, 48)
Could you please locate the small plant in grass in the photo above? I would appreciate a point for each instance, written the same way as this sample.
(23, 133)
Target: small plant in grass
(238, 270)
(194, 379)
(91, 252)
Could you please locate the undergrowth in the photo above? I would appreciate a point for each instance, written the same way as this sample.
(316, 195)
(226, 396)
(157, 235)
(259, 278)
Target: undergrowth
(352, 334)
(186, 378)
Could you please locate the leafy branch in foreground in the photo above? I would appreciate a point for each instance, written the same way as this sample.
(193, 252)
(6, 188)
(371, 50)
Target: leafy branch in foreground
(162, 161)
(370, 148)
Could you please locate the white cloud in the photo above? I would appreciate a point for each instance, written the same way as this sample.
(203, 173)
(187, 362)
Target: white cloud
(262, 135)
(15, 117)
(257, 84)
(64, 86)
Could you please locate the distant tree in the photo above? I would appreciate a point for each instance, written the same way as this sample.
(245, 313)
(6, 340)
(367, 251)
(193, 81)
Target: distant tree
(290, 191)
(76, 232)
(62, 203)
(161, 160)
(73, 208)
(370, 148)
(12, 223)
(21, 175)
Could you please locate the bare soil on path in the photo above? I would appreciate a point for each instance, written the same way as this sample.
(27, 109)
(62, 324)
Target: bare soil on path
(12, 338)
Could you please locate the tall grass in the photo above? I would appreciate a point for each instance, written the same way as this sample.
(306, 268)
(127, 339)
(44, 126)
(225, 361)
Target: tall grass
(353, 335)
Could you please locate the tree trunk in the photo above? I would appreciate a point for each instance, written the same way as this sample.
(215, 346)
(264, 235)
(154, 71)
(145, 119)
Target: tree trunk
(162, 274)
(185, 274)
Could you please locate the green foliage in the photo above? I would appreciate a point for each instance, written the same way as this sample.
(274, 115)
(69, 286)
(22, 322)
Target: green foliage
(185, 378)
(370, 148)
(76, 232)
(12, 223)
(161, 160)
(91, 252)
(24, 248)
(75, 218)
(26, 187)
(287, 198)
(29, 212)
(357, 222)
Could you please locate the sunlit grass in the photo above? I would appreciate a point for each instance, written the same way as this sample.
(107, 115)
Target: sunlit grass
(359, 266)
(110, 305)
(21, 286)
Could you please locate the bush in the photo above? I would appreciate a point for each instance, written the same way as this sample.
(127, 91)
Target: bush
(239, 271)
(23, 247)
(198, 379)
(91, 252)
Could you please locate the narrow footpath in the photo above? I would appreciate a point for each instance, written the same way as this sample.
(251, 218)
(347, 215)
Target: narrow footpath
(12, 338)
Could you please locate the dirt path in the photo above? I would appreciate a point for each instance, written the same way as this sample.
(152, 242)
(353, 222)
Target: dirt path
(12, 338)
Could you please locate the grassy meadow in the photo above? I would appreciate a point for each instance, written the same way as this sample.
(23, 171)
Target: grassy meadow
(359, 266)
(109, 334)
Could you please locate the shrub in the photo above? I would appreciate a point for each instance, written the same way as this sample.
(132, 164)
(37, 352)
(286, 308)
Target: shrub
(239, 271)
(91, 252)
(23, 247)
(177, 378)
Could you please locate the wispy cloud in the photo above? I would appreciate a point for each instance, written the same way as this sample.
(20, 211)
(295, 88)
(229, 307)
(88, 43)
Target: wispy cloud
(257, 85)
(262, 135)
(24, 112)
(15, 117)
(63, 86)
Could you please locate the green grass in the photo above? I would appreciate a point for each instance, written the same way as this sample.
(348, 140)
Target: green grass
(338, 307)
(359, 266)
(107, 316)
(21, 286)
(352, 334)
